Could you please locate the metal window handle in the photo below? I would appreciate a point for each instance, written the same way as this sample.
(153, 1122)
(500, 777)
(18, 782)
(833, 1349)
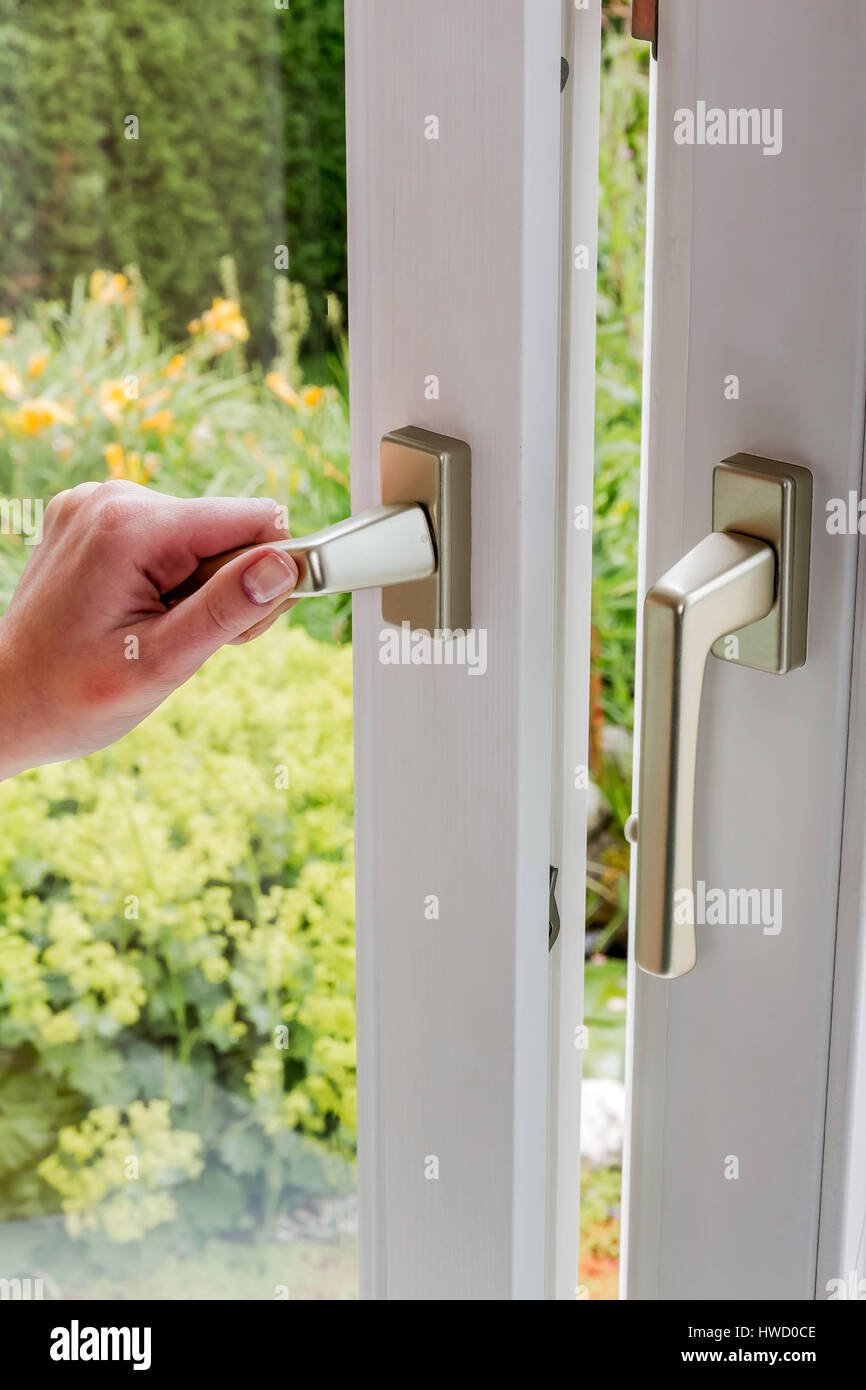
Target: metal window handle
(744, 586)
(379, 546)
(416, 545)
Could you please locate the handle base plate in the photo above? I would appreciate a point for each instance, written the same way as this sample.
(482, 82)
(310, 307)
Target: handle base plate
(772, 502)
(434, 470)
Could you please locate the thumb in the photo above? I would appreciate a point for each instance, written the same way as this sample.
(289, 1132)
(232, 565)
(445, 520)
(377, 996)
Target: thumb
(240, 595)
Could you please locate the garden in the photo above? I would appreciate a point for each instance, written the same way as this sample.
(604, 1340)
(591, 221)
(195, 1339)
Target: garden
(177, 1085)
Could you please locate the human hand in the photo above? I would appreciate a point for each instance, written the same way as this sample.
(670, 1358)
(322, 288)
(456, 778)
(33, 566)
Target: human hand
(88, 650)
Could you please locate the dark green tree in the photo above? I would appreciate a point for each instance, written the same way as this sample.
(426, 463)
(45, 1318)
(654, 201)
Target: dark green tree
(169, 135)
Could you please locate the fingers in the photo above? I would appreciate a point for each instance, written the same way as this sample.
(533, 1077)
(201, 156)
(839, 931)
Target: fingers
(241, 598)
(186, 530)
(163, 536)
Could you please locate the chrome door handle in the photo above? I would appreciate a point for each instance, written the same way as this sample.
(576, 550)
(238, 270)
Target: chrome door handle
(724, 583)
(416, 544)
(743, 592)
(379, 546)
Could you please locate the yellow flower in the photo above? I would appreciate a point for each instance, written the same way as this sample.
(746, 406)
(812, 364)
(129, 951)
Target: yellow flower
(224, 316)
(215, 969)
(5, 327)
(38, 362)
(224, 325)
(10, 382)
(162, 422)
(59, 1028)
(298, 436)
(114, 458)
(129, 465)
(113, 398)
(331, 472)
(108, 288)
(280, 387)
(34, 415)
(175, 366)
(312, 395)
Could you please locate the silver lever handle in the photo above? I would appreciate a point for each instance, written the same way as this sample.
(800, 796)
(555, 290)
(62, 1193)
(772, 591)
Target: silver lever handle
(726, 582)
(747, 582)
(376, 547)
(415, 547)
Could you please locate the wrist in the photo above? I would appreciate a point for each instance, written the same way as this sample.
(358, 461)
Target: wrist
(17, 747)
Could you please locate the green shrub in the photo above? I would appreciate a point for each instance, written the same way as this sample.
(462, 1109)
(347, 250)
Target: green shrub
(167, 907)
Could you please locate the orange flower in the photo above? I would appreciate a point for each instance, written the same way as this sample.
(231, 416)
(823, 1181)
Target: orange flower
(114, 458)
(129, 465)
(108, 288)
(224, 325)
(312, 395)
(280, 387)
(161, 422)
(175, 366)
(38, 362)
(224, 316)
(34, 415)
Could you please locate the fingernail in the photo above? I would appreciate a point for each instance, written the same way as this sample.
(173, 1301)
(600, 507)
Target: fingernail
(268, 578)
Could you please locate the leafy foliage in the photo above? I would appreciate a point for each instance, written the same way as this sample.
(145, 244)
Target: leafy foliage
(622, 183)
(177, 954)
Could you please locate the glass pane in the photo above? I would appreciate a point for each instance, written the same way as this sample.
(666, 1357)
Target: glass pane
(177, 1102)
(622, 220)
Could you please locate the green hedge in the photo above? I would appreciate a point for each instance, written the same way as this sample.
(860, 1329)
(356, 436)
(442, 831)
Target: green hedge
(313, 66)
(240, 149)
